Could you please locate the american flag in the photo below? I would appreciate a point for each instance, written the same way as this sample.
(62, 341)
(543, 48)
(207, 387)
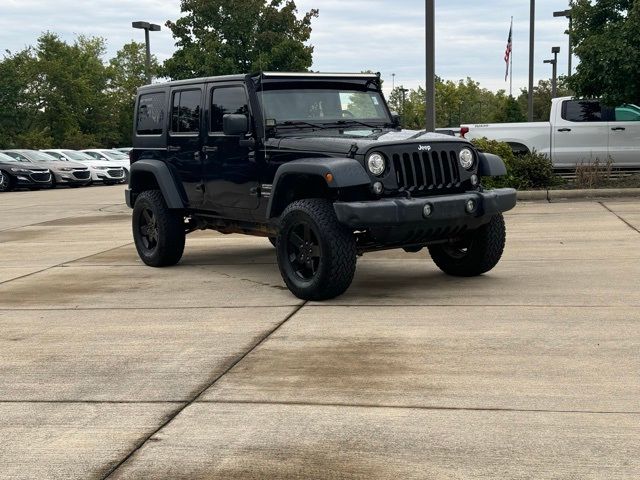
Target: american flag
(507, 53)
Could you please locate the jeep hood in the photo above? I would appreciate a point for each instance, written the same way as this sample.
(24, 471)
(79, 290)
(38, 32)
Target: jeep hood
(341, 143)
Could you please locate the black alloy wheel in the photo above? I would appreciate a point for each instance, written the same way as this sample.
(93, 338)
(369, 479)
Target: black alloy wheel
(303, 250)
(6, 183)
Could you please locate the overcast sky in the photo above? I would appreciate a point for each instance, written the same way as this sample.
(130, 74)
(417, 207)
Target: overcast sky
(349, 35)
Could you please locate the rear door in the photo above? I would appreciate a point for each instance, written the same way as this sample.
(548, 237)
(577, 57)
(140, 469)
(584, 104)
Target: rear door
(580, 134)
(184, 142)
(624, 136)
(230, 168)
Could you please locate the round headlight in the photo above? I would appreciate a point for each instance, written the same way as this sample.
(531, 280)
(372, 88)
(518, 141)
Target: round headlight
(376, 164)
(466, 159)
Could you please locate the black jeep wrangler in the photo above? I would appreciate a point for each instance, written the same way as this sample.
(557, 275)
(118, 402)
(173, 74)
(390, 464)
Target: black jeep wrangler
(319, 165)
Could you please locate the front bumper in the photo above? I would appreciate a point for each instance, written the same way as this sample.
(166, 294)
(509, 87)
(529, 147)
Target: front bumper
(446, 210)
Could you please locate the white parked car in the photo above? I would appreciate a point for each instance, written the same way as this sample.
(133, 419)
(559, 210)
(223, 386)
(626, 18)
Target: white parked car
(113, 156)
(578, 131)
(101, 171)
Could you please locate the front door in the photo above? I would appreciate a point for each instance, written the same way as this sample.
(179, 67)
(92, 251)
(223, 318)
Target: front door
(581, 136)
(184, 142)
(230, 169)
(624, 136)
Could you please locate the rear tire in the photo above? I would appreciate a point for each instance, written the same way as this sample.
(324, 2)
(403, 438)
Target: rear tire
(477, 253)
(316, 254)
(158, 232)
(6, 182)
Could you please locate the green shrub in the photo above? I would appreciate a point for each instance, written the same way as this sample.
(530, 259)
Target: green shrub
(531, 171)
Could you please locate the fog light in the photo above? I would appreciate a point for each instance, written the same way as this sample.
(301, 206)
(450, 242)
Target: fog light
(378, 188)
(22, 178)
(474, 180)
(427, 210)
(471, 206)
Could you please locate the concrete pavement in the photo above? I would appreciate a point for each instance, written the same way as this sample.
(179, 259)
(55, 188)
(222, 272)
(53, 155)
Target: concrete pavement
(212, 369)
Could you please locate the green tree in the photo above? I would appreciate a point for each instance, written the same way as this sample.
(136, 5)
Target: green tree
(17, 113)
(126, 73)
(511, 112)
(220, 37)
(605, 34)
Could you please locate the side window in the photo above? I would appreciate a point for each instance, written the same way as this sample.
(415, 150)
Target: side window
(185, 112)
(628, 113)
(582, 111)
(150, 115)
(224, 101)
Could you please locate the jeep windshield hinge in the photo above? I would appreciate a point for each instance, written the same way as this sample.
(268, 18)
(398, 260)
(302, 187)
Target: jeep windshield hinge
(353, 150)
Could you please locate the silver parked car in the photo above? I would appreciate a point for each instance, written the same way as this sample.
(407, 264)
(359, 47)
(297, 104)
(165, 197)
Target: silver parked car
(64, 173)
(101, 171)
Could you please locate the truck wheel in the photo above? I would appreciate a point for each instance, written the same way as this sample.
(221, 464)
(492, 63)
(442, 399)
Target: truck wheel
(158, 232)
(316, 254)
(474, 255)
(6, 183)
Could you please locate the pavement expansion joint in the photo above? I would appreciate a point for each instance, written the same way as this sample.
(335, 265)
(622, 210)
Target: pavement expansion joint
(621, 218)
(170, 417)
(417, 407)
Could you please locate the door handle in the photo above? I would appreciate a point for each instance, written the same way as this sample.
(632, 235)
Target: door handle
(564, 129)
(196, 156)
(618, 129)
(209, 149)
(171, 148)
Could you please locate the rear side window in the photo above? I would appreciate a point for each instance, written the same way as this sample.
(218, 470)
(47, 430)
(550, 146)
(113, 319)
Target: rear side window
(185, 113)
(150, 118)
(225, 101)
(582, 111)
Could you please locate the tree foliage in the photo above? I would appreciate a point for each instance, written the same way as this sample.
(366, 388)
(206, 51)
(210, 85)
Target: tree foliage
(222, 37)
(59, 94)
(607, 41)
(456, 103)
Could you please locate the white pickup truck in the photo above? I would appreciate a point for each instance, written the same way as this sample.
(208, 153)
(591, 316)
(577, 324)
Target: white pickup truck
(579, 131)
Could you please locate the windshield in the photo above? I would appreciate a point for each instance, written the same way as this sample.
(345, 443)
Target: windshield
(117, 155)
(323, 106)
(6, 158)
(73, 155)
(36, 156)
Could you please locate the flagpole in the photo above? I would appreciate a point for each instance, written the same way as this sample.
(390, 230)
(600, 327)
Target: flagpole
(511, 63)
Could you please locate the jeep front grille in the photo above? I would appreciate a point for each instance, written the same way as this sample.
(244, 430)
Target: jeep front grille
(424, 171)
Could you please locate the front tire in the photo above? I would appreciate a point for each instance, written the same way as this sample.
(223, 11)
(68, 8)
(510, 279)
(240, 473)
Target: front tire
(158, 232)
(6, 182)
(316, 254)
(477, 253)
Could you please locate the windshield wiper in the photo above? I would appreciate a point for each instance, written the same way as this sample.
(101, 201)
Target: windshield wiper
(357, 122)
(298, 123)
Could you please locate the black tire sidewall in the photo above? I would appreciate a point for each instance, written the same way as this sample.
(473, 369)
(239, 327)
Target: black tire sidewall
(171, 235)
(10, 183)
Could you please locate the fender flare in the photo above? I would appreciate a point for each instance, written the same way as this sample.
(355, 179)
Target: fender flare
(346, 172)
(491, 165)
(163, 177)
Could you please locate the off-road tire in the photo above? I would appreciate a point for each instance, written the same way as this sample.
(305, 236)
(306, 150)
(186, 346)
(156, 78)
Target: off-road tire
(336, 250)
(479, 252)
(6, 182)
(169, 228)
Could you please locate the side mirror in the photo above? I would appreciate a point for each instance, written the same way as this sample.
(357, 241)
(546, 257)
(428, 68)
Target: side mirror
(235, 125)
(396, 119)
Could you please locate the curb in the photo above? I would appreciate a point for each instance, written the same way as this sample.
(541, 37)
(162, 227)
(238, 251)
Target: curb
(550, 195)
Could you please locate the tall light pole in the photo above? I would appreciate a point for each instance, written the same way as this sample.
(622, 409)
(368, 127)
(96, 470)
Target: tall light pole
(554, 77)
(147, 27)
(430, 85)
(532, 37)
(567, 14)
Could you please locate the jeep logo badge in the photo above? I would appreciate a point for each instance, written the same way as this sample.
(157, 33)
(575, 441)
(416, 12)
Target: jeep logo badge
(424, 148)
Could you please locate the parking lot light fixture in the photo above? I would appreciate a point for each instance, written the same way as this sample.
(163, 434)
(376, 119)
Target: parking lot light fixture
(567, 14)
(147, 27)
(554, 78)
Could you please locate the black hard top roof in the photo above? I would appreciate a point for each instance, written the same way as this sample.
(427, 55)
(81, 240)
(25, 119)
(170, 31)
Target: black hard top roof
(265, 75)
